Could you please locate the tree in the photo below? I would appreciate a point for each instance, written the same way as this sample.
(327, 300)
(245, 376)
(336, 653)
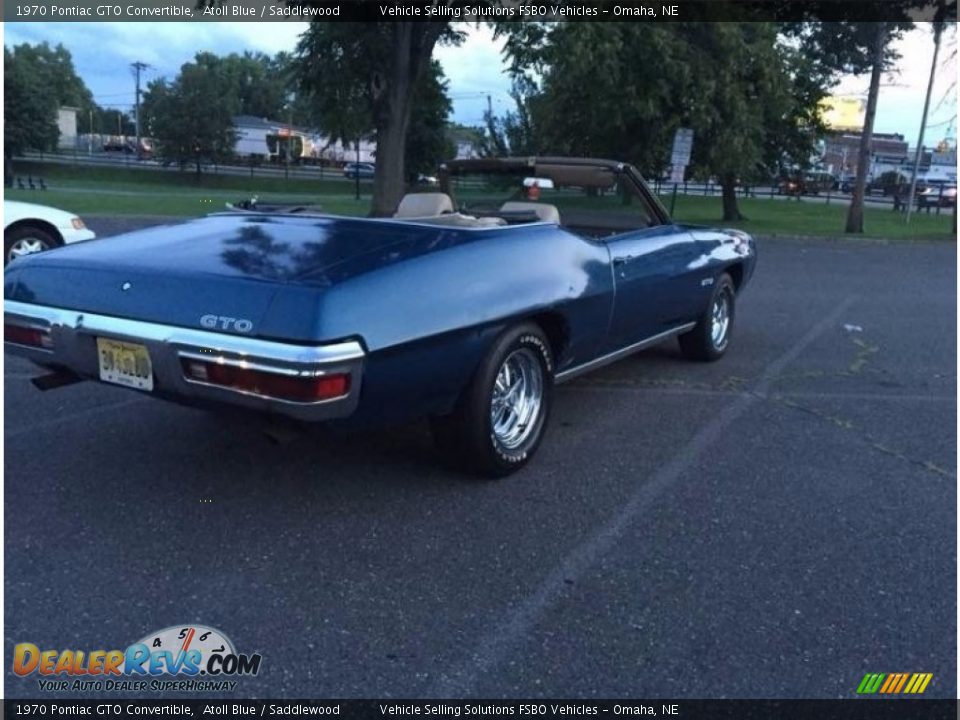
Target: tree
(607, 89)
(517, 132)
(112, 121)
(761, 111)
(362, 77)
(254, 83)
(51, 69)
(853, 47)
(621, 90)
(427, 141)
(190, 118)
(29, 116)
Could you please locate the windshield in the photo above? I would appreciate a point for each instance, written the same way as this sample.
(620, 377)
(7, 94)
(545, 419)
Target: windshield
(594, 201)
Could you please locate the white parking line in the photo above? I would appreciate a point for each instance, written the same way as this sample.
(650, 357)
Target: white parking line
(495, 645)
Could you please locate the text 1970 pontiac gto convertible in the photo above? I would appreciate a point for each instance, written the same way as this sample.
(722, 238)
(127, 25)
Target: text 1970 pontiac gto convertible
(466, 307)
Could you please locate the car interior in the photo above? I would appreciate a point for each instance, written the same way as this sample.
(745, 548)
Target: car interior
(435, 208)
(595, 199)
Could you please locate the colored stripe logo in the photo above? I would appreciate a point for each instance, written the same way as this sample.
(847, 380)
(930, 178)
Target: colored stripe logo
(894, 683)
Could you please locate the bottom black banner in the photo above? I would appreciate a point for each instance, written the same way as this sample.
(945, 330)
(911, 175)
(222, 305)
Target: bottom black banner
(867, 709)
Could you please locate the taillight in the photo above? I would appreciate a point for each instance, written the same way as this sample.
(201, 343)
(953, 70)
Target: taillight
(283, 387)
(29, 336)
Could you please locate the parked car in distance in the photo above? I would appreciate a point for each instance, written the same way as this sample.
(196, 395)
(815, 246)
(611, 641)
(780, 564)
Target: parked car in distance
(465, 307)
(889, 183)
(944, 196)
(29, 228)
(116, 146)
(811, 183)
(361, 170)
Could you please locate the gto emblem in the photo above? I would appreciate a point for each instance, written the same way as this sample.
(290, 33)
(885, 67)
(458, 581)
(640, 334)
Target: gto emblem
(222, 322)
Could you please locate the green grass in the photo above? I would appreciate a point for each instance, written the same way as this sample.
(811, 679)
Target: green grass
(120, 191)
(119, 178)
(786, 217)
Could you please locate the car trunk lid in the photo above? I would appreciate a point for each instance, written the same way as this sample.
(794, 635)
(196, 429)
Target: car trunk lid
(222, 272)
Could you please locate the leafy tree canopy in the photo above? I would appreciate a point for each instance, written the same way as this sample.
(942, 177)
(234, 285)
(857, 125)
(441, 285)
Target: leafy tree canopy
(428, 141)
(621, 90)
(191, 118)
(362, 78)
(29, 117)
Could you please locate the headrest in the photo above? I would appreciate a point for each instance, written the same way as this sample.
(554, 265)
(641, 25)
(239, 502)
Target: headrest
(424, 205)
(546, 213)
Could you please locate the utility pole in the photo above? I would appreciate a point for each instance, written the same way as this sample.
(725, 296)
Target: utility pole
(937, 32)
(137, 68)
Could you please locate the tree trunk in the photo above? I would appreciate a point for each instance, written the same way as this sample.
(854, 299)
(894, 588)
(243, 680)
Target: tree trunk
(855, 213)
(388, 178)
(391, 115)
(392, 92)
(728, 186)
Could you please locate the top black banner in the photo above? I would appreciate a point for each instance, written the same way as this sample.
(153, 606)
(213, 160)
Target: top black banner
(478, 10)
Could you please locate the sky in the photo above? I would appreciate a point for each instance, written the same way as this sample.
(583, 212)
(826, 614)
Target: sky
(102, 53)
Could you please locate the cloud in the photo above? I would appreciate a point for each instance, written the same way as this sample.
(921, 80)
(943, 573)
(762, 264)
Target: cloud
(475, 69)
(902, 91)
(102, 53)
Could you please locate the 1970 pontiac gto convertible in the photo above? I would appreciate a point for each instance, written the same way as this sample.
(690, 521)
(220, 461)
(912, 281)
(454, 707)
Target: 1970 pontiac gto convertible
(466, 307)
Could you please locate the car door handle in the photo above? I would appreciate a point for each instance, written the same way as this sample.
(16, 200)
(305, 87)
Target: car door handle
(623, 259)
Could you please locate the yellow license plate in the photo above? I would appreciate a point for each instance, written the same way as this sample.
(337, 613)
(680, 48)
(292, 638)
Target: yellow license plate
(124, 363)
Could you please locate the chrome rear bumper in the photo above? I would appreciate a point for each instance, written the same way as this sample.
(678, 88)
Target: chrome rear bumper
(74, 347)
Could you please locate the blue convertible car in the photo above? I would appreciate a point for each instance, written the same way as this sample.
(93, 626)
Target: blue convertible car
(466, 307)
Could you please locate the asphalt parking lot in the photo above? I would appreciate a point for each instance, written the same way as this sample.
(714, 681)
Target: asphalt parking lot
(776, 524)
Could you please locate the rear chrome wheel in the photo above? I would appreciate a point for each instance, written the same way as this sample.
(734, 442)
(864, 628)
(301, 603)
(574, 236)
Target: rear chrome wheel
(517, 398)
(500, 419)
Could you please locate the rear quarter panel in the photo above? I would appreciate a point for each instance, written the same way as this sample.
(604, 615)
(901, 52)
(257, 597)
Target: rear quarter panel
(427, 322)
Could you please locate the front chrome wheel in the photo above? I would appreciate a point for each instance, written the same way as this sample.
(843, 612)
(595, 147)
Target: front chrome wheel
(720, 320)
(517, 398)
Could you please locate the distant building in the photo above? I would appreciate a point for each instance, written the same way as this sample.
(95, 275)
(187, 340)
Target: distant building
(889, 152)
(841, 149)
(937, 165)
(67, 125)
(272, 140)
(467, 141)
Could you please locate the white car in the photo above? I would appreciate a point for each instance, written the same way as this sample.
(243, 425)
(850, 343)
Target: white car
(29, 228)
